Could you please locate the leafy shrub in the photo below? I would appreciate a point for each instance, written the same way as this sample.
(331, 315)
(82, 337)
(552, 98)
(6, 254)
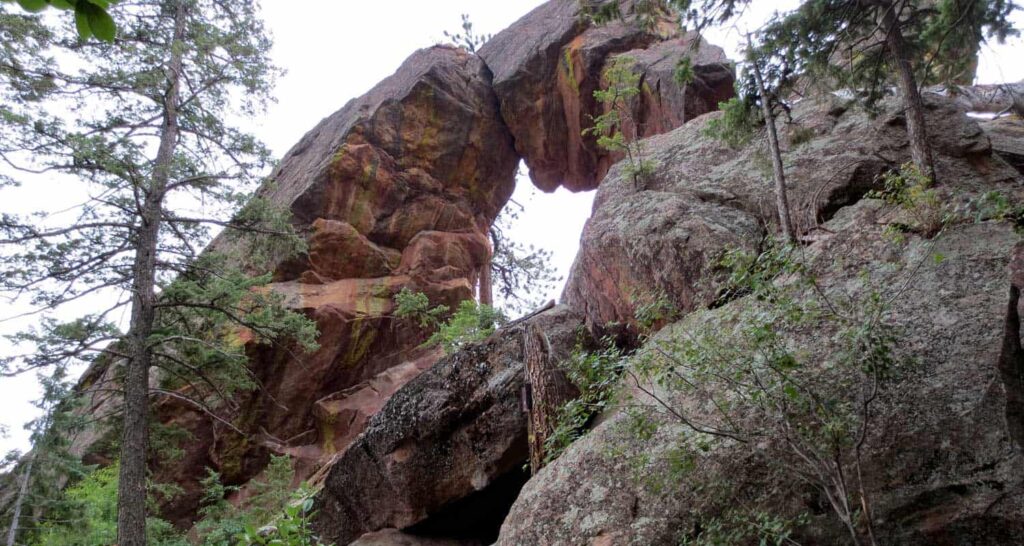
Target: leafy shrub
(913, 192)
(622, 86)
(806, 414)
(223, 522)
(291, 528)
(652, 311)
(595, 374)
(415, 306)
(471, 322)
(996, 205)
(87, 516)
(735, 127)
(739, 526)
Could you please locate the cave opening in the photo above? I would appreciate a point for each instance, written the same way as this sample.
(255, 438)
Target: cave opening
(476, 518)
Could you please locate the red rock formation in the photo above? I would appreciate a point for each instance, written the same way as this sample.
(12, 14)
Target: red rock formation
(397, 189)
(548, 64)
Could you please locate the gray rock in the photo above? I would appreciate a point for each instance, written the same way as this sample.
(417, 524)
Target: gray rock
(452, 431)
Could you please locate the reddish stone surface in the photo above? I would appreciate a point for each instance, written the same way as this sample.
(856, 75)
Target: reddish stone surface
(548, 64)
(395, 190)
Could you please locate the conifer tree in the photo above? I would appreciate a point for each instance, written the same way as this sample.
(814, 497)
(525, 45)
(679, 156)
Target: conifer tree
(139, 126)
(852, 42)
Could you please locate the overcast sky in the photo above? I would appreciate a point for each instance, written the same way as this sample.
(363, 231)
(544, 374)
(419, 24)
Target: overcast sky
(335, 50)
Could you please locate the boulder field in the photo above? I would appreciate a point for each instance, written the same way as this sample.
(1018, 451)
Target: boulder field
(399, 188)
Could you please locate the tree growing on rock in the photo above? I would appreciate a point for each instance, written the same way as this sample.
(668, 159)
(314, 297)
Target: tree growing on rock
(616, 130)
(852, 42)
(736, 380)
(157, 167)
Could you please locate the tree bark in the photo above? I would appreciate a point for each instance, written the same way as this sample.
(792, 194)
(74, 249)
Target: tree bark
(26, 477)
(781, 198)
(131, 499)
(549, 390)
(486, 284)
(917, 132)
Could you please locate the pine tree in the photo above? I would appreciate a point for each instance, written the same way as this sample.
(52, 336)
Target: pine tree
(852, 42)
(142, 124)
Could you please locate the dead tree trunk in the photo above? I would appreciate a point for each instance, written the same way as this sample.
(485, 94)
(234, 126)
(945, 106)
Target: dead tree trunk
(26, 477)
(548, 390)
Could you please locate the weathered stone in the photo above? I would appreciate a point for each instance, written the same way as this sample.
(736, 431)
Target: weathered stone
(338, 251)
(548, 64)
(452, 431)
(394, 537)
(665, 236)
(942, 463)
(397, 189)
(1007, 135)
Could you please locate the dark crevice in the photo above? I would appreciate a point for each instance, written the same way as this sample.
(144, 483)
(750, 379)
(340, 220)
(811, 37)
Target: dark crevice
(1011, 367)
(478, 516)
(866, 177)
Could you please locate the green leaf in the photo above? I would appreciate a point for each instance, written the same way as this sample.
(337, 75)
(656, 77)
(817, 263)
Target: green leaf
(82, 24)
(102, 4)
(62, 4)
(33, 5)
(99, 21)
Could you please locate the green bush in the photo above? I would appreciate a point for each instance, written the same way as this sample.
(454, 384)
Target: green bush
(87, 516)
(269, 494)
(735, 127)
(596, 374)
(470, 323)
(415, 306)
(914, 193)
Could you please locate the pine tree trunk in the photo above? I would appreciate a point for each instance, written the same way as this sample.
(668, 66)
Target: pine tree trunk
(917, 132)
(781, 198)
(131, 499)
(486, 284)
(26, 477)
(549, 391)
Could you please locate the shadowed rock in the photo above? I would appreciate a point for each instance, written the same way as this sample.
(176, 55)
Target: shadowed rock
(447, 434)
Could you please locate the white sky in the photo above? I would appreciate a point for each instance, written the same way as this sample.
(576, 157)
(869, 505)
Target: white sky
(337, 50)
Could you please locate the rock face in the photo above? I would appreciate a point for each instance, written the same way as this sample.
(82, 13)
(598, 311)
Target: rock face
(1007, 134)
(704, 197)
(397, 189)
(455, 432)
(943, 463)
(548, 64)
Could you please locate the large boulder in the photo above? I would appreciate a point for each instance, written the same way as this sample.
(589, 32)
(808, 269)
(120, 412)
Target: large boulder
(664, 235)
(548, 64)
(943, 464)
(445, 454)
(398, 189)
(943, 461)
(1007, 135)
